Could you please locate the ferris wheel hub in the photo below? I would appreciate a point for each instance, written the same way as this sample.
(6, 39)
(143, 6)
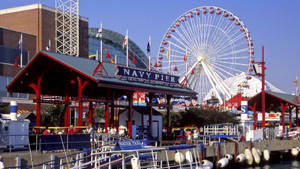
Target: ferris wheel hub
(200, 58)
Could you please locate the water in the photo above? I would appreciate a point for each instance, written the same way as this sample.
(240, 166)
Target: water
(277, 164)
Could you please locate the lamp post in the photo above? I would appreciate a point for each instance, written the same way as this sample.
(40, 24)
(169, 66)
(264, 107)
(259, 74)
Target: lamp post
(262, 75)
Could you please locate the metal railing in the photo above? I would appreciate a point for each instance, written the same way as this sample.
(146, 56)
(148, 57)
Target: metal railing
(145, 158)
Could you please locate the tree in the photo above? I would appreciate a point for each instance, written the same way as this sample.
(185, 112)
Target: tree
(201, 117)
(4, 108)
(100, 112)
(53, 116)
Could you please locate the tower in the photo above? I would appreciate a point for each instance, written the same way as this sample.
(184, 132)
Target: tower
(67, 27)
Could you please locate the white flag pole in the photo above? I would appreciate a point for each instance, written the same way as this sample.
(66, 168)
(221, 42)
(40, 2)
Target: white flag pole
(101, 45)
(115, 59)
(169, 50)
(149, 52)
(297, 86)
(97, 55)
(127, 56)
(21, 56)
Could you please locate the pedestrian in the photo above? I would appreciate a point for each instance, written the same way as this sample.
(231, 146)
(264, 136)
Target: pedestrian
(188, 136)
(90, 131)
(71, 131)
(46, 132)
(1, 163)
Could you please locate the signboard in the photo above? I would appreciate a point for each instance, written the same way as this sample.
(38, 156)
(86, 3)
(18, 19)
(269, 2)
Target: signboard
(244, 110)
(269, 116)
(146, 75)
(273, 116)
(139, 98)
(129, 145)
(244, 107)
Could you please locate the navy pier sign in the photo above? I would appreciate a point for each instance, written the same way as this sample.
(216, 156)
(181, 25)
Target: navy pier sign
(147, 75)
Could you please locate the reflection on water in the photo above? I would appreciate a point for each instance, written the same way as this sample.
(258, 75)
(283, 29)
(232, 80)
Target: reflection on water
(277, 164)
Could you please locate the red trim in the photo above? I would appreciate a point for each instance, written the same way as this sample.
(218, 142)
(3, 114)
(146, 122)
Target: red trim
(129, 127)
(23, 70)
(254, 115)
(266, 92)
(44, 54)
(283, 107)
(106, 117)
(81, 86)
(290, 118)
(67, 113)
(263, 98)
(282, 99)
(37, 89)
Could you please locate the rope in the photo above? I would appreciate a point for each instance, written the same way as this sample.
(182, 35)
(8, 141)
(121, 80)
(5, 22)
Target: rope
(62, 142)
(30, 153)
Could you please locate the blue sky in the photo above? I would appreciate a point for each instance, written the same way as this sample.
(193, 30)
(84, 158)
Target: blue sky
(272, 23)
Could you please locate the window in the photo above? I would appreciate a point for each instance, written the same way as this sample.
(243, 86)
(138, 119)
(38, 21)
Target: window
(4, 81)
(12, 56)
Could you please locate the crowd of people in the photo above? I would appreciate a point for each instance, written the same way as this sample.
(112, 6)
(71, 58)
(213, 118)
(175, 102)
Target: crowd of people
(187, 134)
(73, 130)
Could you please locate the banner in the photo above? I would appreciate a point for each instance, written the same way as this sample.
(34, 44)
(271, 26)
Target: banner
(269, 116)
(143, 74)
(139, 98)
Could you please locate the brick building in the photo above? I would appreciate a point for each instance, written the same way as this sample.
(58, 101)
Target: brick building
(36, 23)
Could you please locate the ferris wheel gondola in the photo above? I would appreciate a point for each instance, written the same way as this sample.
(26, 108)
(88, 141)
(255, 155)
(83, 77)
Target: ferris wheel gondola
(205, 46)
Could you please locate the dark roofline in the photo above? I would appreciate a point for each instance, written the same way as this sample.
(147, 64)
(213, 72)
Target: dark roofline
(273, 94)
(295, 104)
(52, 58)
(108, 82)
(154, 111)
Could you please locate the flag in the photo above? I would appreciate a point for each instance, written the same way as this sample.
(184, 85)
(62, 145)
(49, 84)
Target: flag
(99, 33)
(49, 46)
(133, 57)
(112, 61)
(93, 56)
(296, 82)
(239, 86)
(185, 56)
(125, 41)
(16, 62)
(107, 54)
(20, 45)
(168, 52)
(148, 45)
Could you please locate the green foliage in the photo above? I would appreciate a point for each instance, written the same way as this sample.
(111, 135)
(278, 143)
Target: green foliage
(200, 117)
(4, 108)
(100, 112)
(53, 116)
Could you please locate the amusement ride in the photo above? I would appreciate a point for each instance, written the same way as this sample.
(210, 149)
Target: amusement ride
(205, 46)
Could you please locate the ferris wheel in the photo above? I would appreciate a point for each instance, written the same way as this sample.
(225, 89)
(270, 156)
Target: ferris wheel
(205, 46)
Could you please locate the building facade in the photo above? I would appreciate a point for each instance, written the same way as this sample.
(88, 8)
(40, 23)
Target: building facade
(36, 24)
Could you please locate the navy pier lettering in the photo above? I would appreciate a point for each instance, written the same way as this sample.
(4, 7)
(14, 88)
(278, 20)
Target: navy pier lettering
(143, 74)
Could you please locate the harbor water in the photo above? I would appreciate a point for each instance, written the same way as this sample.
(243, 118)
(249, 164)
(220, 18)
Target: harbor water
(275, 164)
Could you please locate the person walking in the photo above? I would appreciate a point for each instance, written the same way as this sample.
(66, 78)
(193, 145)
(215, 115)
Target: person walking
(1, 163)
(91, 132)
